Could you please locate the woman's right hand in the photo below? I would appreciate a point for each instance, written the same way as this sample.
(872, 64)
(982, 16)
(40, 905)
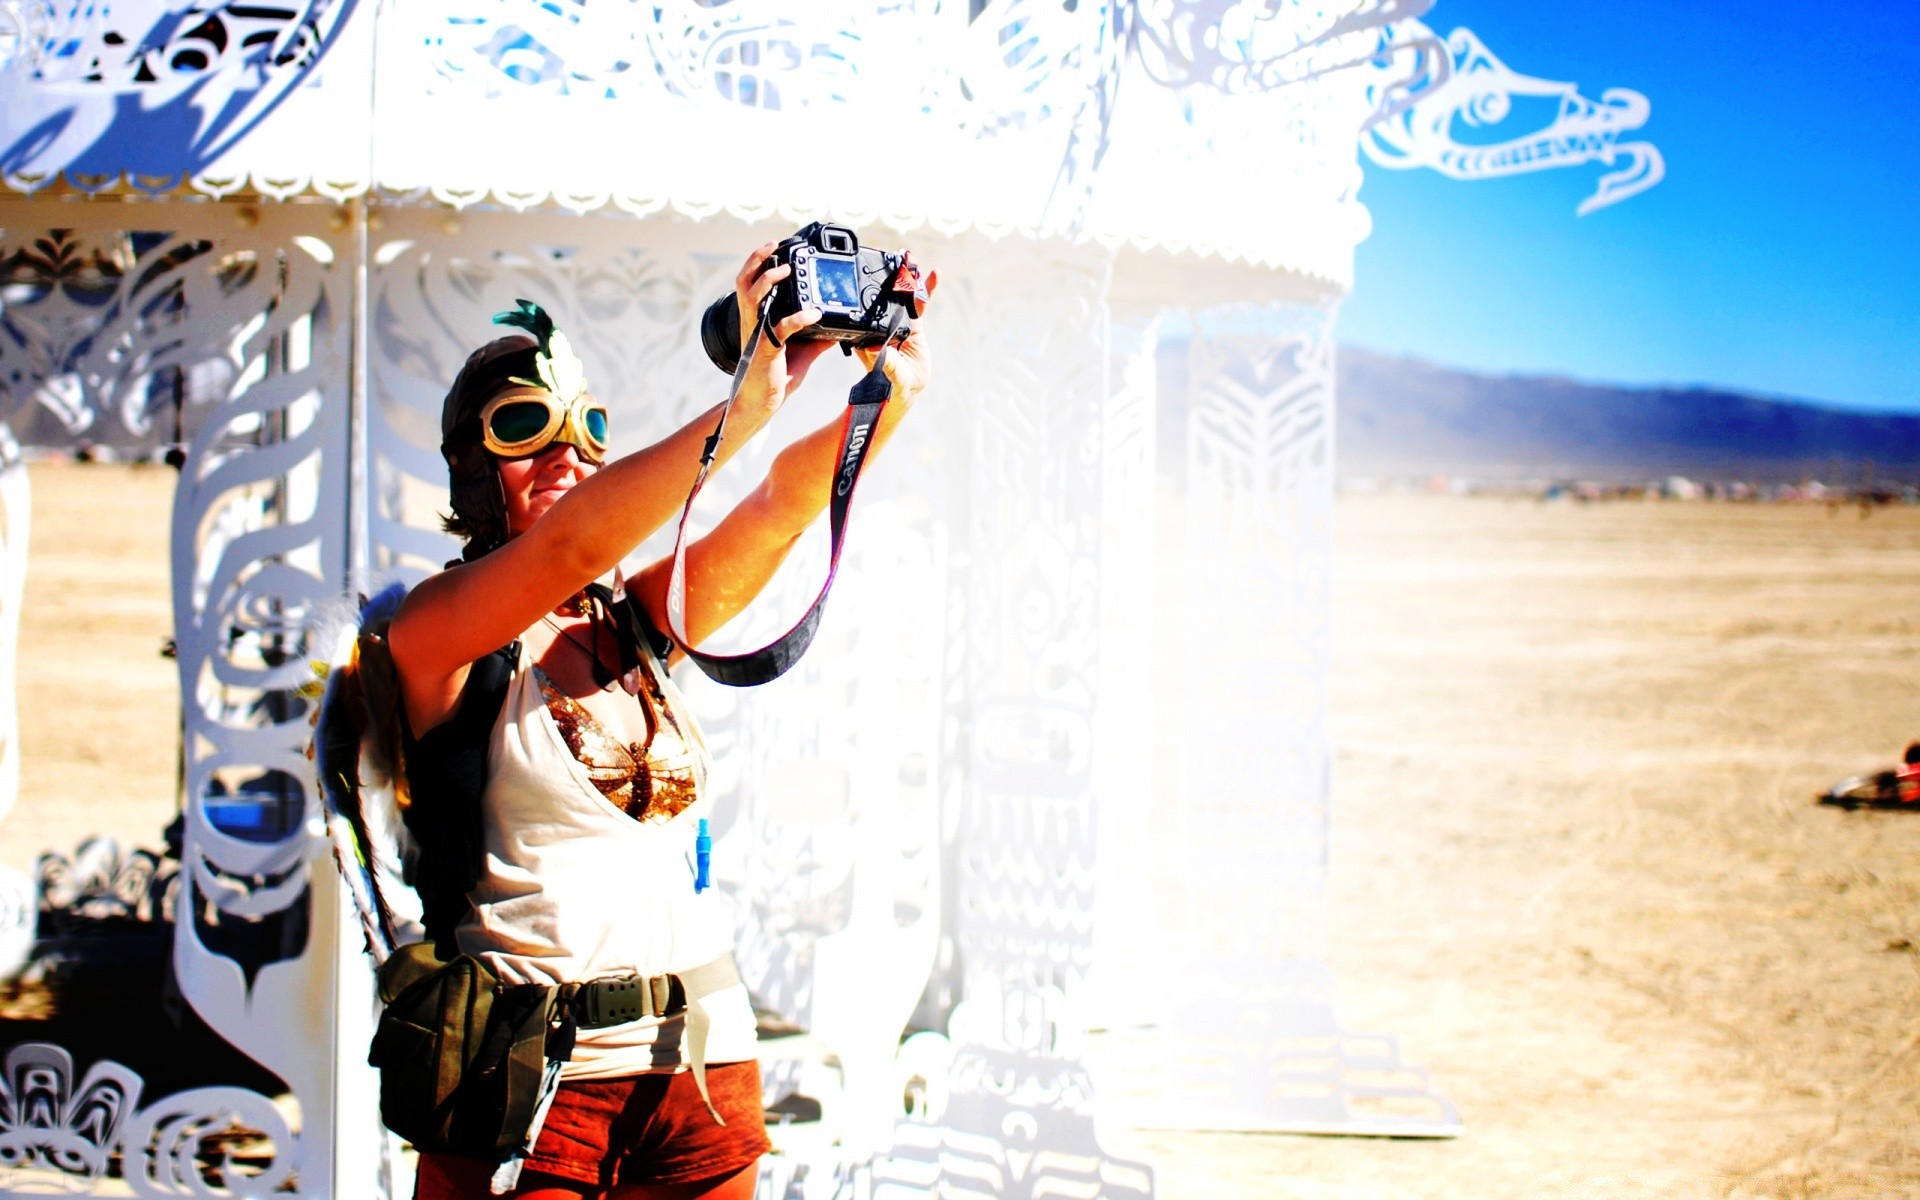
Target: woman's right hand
(779, 363)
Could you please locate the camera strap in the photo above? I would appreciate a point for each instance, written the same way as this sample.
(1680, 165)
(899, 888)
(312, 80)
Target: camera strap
(864, 405)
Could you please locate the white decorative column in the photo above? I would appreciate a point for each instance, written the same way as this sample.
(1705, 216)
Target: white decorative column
(1015, 1113)
(260, 553)
(1250, 1038)
(1255, 425)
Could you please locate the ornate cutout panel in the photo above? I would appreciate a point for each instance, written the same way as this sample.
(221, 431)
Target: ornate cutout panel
(1242, 48)
(628, 295)
(1018, 89)
(1257, 534)
(225, 329)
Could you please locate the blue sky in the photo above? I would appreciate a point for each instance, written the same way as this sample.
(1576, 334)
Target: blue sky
(1781, 254)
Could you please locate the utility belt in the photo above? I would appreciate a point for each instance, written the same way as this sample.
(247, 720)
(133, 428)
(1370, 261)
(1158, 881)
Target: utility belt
(469, 1065)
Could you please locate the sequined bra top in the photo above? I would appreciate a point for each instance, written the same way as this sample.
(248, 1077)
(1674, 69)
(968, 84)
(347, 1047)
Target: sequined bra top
(651, 780)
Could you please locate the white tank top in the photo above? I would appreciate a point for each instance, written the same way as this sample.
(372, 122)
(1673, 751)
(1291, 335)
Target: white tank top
(574, 889)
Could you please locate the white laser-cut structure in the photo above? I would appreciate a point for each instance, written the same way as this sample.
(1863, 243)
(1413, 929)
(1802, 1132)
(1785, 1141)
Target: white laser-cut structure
(1058, 760)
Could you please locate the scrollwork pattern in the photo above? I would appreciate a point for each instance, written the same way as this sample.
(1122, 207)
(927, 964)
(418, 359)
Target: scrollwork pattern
(1478, 90)
(53, 1130)
(91, 322)
(630, 308)
(260, 551)
(102, 885)
(164, 1145)
(50, 1123)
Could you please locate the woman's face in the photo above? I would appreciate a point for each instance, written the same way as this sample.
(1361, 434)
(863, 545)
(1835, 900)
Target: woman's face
(533, 483)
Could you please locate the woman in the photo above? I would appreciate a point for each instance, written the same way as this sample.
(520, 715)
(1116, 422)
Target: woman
(594, 775)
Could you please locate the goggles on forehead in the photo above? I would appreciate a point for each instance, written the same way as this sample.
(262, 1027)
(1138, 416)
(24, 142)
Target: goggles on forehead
(526, 421)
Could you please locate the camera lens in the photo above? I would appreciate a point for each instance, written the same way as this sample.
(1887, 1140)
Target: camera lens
(720, 333)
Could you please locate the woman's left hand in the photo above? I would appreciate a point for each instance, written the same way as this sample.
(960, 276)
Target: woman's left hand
(779, 363)
(910, 365)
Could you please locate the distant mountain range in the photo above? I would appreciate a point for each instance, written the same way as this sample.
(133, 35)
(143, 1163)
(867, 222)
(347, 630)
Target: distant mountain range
(1400, 416)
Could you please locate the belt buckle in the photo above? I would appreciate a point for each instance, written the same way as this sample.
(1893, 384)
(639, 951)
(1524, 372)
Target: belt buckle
(617, 1000)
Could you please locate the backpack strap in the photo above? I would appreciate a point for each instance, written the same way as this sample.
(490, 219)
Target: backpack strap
(446, 775)
(634, 627)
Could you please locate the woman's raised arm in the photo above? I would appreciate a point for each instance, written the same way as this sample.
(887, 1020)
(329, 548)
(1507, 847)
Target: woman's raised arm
(569, 524)
(730, 566)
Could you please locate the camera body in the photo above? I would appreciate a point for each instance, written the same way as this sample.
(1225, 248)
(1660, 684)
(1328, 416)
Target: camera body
(859, 291)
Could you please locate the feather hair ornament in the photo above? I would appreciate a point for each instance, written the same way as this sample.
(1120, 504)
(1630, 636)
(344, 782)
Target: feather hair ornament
(560, 369)
(356, 753)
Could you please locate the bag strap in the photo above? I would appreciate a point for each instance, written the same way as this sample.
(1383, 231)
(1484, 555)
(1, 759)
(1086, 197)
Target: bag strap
(530, 1017)
(865, 403)
(699, 983)
(634, 630)
(444, 817)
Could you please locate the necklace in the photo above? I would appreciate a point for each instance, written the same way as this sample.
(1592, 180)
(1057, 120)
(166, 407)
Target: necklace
(601, 676)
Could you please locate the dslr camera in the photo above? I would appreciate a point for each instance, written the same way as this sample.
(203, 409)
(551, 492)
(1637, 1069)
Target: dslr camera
(859, 291)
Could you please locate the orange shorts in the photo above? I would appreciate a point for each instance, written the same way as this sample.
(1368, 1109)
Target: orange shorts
(638, 1129)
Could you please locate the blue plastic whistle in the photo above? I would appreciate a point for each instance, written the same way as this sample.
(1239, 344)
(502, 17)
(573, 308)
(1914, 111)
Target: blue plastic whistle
(702, 858)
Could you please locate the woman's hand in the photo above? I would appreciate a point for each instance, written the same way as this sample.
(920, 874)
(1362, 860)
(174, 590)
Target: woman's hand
(910, 365)
(779, 363)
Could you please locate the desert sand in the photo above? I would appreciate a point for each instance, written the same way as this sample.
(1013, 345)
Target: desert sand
(1578, 871)
(99, 706)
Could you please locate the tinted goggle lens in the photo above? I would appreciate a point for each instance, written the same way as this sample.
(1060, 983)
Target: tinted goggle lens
(596, 422)
(523, 419)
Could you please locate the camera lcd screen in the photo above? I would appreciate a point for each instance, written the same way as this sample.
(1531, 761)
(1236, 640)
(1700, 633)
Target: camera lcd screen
(839, 283)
